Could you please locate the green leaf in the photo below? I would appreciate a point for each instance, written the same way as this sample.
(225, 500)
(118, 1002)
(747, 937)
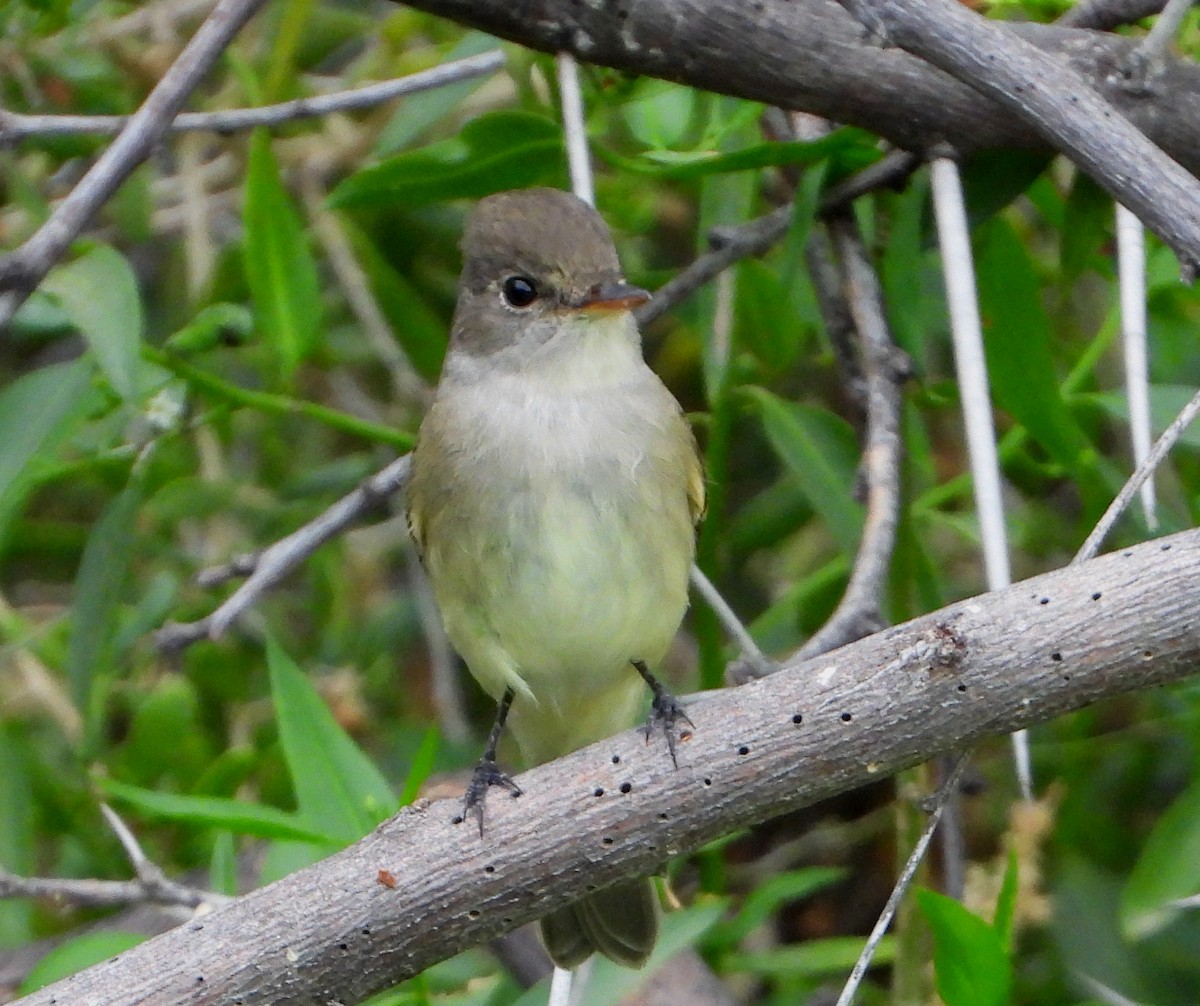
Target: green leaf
(497, 151)
(77, 954)
(96, 596)
(993, 180)
(1088, 217)
(417, 112)
(766, 325)
(969, 960)
(17, 837)
(236, 816)
(820, 450)
(422, 764)
(1018, 340)
(850, 149)
(99, 294)
(32, 409)
(280, 268)
(215, 325)
(766, 898)
(1166, 402)
(338, 788)
(660, 115)
(1006, 902)
(222, 868)
(816, 958)
(1167, 869)
(420, 330)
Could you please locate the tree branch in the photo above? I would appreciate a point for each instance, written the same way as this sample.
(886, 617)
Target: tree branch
(811, 56)
(979, 668)
(24, 269)
(1055, 101)
(15, 126)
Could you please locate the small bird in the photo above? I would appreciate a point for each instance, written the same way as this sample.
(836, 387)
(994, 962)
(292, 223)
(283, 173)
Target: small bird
(554, 495)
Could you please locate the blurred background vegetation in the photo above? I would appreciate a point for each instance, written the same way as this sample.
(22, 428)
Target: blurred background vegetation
(202, 377)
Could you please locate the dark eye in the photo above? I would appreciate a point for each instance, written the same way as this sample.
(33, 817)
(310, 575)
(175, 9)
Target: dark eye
(519, 291)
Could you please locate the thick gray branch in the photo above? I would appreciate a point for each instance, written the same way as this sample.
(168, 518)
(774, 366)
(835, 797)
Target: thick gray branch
(810, 55)
(1057, 102)
(979, 668)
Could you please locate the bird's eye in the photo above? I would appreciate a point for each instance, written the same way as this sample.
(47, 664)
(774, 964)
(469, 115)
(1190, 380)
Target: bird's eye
(519, 291)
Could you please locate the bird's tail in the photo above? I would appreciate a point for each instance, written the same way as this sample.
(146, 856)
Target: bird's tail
(621, 923)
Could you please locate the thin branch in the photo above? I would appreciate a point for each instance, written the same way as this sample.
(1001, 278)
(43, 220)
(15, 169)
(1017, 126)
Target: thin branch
(1169, 438)
(890, 172)
(579, 158)
(15, 126)
(407, 386)
(1131, 282)
(903, 882)
(1104, 15)
(1055, 101)
(954, 238)
(1149, 58)
(751, 661)
(24, 268)
(978, 668)
(277, 560)
(884, 367)
(729, 244)
(151, 886)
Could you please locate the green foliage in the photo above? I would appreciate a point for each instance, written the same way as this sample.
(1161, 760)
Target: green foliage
(969, 956)
(198, 378)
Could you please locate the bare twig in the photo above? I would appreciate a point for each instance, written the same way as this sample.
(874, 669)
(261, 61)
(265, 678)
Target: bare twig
(1104, 15)
(1057, 102)
(1150, 55)
(884, 368)
(24, 268)
(751, 661)
(579, 158)
(1169, 438)
(151, 886)
(407, 386)
(1131, 280)
(889, 172)
(15, 126)
(729, 244)
(277, 560)
(915, 858)
(954, 236)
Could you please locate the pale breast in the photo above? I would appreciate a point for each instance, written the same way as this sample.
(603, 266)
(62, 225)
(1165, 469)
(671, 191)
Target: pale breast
(571, 556)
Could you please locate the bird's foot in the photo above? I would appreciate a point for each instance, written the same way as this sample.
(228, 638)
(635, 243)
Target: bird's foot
(666, 712)
(486, 775)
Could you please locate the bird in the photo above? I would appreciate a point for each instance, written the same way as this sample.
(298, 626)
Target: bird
(555, 491)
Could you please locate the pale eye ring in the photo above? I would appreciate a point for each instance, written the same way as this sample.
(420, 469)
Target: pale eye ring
(519, 291)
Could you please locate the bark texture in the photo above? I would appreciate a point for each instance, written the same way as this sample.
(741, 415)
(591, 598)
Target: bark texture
(334, 933)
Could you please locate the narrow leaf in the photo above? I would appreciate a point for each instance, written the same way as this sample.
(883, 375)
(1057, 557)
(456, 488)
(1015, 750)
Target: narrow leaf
(236, 816)
(280, 268)
(32, 408)
(96, 595)
(819, 448)
(501, 150)
(969, 959)
(99, 294)
(1167, 870)
(339, 789)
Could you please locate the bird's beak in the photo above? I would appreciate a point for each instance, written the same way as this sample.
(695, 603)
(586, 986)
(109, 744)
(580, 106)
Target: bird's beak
(612, 297)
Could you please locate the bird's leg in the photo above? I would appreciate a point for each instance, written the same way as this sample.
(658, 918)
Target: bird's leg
(487, 773)
(665, 711)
